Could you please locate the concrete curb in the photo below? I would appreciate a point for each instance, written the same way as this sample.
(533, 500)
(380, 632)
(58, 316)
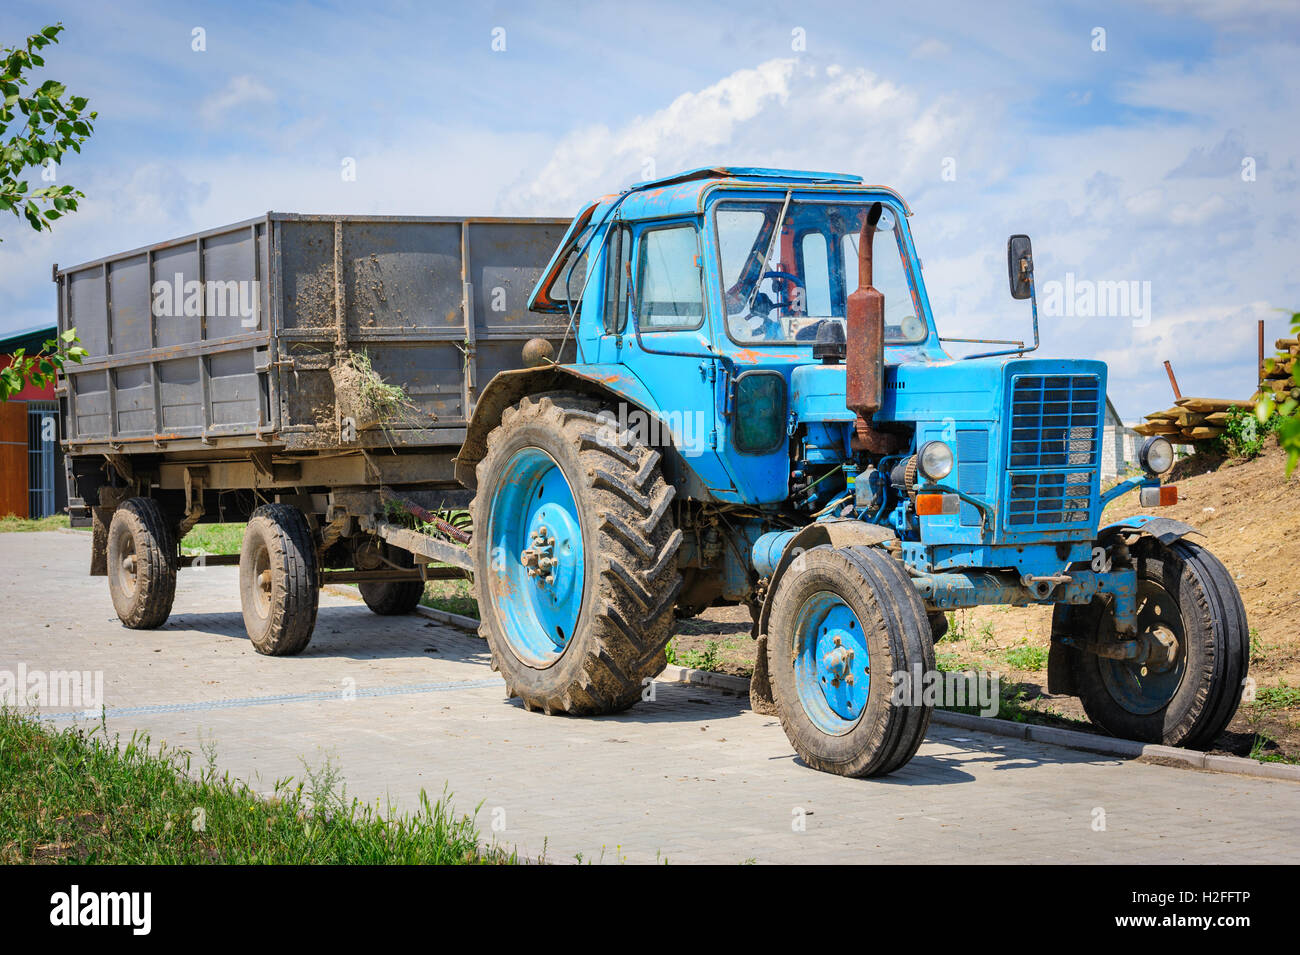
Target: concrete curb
(449, 618)
(442, 616)
(1051, 735)
(718, 681)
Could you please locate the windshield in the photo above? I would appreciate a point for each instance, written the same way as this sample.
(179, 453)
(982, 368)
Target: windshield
(780, 286)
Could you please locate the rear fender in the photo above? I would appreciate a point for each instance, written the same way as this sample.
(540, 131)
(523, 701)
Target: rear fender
(612, 383)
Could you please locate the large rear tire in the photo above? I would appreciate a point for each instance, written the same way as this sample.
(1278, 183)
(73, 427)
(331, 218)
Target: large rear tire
(1186, 598)
(142, 564)
(576, 552)
(845, 623)
(278, 580)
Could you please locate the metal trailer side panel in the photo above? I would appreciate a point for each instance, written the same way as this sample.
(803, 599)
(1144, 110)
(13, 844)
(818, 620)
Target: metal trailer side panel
(226, 338)
(174, 333)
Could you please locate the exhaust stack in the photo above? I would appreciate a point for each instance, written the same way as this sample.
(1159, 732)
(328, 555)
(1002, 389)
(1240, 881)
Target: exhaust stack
(865, 321)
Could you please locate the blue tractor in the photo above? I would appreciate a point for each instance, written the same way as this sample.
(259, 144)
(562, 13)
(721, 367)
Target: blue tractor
(754, 406)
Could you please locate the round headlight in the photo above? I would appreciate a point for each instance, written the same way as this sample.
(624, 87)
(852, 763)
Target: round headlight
(935, 460)
(1157, 455)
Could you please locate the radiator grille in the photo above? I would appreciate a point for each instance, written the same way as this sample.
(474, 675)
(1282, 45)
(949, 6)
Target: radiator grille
(1054, 421)
(1054, 447)
(1052, 498)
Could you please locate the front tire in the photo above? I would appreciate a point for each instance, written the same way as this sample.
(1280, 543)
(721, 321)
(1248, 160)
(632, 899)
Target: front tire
(142, 564)
(1186, 595)
(278, 580)
(843, 625)
(576, 552)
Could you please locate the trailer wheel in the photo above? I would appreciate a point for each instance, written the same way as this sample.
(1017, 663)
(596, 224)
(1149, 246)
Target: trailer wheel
(1190, 617)
(278, 580)
(142, 563)
(842, 626)
(577, 555)
(392, 598)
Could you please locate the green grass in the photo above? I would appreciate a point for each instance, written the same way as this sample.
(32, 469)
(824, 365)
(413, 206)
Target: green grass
(451, 596)
(74, 796)
(214, 539)
(12, 524)
(1277, 697)
(1027, 657)
(708, 658)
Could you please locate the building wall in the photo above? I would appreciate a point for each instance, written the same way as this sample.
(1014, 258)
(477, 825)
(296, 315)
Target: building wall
(24, 454)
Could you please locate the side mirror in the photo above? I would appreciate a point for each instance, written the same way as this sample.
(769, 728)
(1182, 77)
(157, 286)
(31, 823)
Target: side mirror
(1020, 265)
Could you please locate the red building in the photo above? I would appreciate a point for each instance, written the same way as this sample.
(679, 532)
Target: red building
(31, 462)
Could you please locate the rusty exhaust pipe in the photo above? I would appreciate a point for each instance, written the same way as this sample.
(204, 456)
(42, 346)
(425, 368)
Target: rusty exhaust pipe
(865, 331)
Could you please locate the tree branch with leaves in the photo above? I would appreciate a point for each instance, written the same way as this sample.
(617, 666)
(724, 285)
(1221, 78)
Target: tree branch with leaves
(37, 127)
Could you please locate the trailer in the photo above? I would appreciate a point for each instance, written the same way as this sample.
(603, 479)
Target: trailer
(228, 379)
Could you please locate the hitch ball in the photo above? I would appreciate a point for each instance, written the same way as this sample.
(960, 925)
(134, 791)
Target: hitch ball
(538, 352)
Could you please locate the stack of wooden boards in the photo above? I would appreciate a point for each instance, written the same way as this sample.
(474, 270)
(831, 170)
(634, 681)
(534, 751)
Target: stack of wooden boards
(1191, 419)
(1202, 419)
(1275, 377)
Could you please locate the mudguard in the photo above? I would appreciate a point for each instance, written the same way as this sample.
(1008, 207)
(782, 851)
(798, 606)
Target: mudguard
(1164, 529)
(507, 387)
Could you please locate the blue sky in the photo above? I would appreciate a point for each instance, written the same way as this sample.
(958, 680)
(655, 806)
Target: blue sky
(1125, 164)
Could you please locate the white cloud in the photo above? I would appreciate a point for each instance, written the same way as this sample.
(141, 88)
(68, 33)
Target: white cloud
(241, 91)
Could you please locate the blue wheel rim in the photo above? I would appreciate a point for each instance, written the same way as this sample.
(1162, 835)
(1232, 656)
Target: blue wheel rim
(536, 557)
(832, 665)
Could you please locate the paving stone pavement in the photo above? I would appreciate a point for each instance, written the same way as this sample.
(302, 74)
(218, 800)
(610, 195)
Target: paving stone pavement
(403, 704)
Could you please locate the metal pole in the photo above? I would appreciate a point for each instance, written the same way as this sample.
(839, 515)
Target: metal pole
(1260, 366)
(1173, 382)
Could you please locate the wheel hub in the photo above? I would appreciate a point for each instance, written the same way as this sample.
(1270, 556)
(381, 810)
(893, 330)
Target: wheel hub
(832, 663)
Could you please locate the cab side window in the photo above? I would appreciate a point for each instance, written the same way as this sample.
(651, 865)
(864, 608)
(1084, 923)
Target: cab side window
(618, 258)
(670, 279)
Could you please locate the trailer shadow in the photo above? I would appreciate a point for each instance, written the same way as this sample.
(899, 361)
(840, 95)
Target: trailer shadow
(355, 633)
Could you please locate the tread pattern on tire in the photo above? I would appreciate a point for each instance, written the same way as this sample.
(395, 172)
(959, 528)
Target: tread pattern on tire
(293, 560)
(156, 564)
(628, 615)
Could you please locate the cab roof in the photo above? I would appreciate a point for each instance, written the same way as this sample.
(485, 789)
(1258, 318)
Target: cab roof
(684, 193)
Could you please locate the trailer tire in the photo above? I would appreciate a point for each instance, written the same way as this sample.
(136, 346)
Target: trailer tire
(587, 638)
(1183, 590)
(278, 580)
(142, 564)
(392, 598)
(848, 721)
